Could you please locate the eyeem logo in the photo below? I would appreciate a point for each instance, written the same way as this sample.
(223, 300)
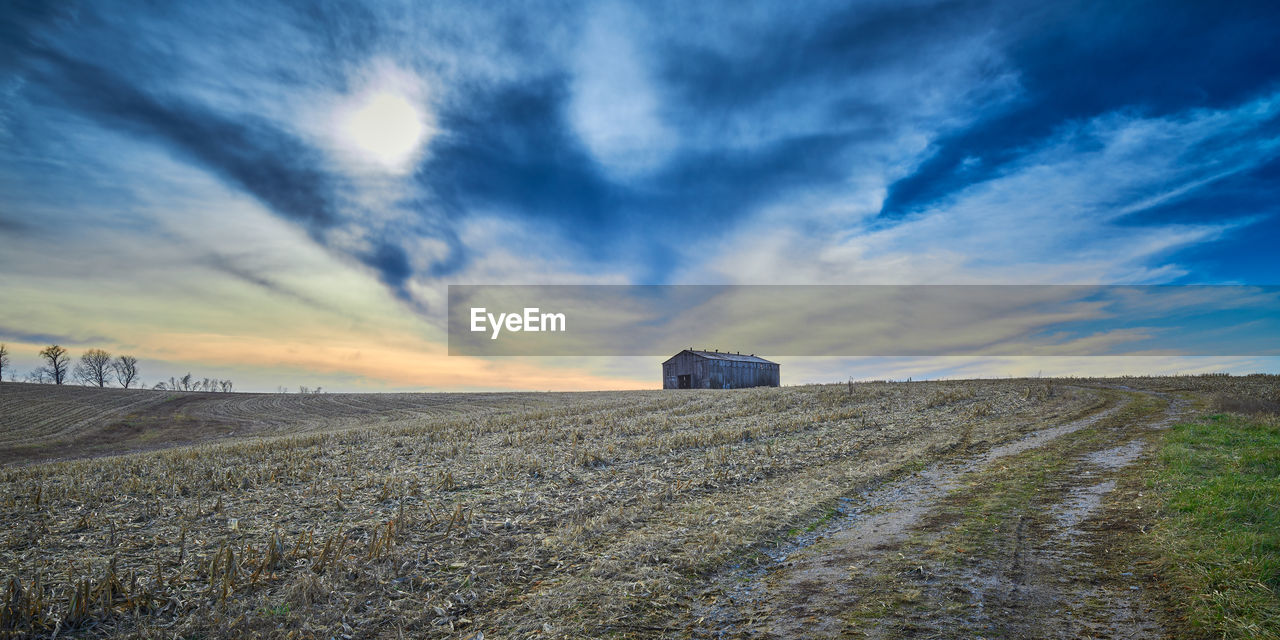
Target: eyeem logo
(531, 320)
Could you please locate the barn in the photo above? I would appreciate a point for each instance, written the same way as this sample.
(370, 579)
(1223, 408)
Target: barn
(692, 369)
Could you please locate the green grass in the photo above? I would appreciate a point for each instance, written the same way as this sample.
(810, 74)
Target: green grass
(279, 610)
(813, 526)
(1220, 537)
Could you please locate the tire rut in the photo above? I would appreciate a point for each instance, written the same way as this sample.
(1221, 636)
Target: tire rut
(806, 586)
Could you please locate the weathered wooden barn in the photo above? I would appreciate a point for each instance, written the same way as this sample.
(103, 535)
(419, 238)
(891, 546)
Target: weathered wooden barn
(692, 369)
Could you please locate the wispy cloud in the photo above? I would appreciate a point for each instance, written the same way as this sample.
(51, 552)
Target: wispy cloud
(348, 161)
(1056, 215)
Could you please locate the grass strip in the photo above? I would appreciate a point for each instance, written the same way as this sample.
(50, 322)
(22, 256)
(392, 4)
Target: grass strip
(1219, 537)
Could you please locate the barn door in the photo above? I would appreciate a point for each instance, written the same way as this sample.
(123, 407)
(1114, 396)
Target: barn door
(685, 381)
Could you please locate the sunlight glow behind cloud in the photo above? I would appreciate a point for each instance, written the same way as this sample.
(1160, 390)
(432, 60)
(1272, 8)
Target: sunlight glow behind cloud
(386, 123)
(386, 128)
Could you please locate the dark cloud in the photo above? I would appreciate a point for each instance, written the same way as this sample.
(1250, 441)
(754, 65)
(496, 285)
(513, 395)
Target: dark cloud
(20, 23)
(508, 146)
(36, 337)
(13, 226)
(247, 152)
(1248, 251)
(1079, 60)
(392, 263)
(511, 147)
(1246, 194)
(224, 264)
(714, 188)
(770, 60)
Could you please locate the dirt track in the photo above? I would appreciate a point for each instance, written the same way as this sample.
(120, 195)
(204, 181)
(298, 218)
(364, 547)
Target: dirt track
(889, 565)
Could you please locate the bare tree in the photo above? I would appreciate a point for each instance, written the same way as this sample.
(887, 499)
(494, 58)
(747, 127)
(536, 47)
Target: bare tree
(58, 361)
(4, 360)
(186, 382)
(94, 368)
(226, 386)
(126, 370)
(39, 375)
(161, 386)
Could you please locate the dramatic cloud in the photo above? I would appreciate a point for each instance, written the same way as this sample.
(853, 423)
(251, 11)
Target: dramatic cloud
(337, 165)
(1082, 60)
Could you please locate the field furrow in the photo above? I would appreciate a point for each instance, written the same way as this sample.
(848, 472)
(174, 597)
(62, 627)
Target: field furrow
(440, 516)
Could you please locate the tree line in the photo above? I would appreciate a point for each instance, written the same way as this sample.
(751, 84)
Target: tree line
(190, 383)
(98, 368)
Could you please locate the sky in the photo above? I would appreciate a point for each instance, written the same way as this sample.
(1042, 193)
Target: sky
(281, 193)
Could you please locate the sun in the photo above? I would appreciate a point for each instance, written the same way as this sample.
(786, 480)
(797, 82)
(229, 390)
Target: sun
(384, 128)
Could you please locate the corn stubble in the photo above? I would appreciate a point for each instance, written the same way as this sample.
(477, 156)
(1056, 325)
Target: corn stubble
(559, 521)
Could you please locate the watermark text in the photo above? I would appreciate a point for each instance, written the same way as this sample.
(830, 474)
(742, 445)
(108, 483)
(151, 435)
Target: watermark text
(531, 320)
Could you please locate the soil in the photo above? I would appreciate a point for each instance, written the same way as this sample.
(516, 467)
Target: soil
(48, 423)
(864, 574)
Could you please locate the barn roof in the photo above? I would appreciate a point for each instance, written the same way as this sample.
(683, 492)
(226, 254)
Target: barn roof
(722, 355)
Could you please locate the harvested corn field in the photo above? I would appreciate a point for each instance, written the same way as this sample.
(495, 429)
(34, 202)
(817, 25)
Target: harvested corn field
(565, 515)
(46, 422)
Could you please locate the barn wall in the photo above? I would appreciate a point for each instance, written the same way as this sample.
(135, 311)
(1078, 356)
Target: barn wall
(707, 373)
(682, 364)
(732, 374)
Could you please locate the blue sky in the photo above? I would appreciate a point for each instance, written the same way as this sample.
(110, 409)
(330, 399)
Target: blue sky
(283, 191)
